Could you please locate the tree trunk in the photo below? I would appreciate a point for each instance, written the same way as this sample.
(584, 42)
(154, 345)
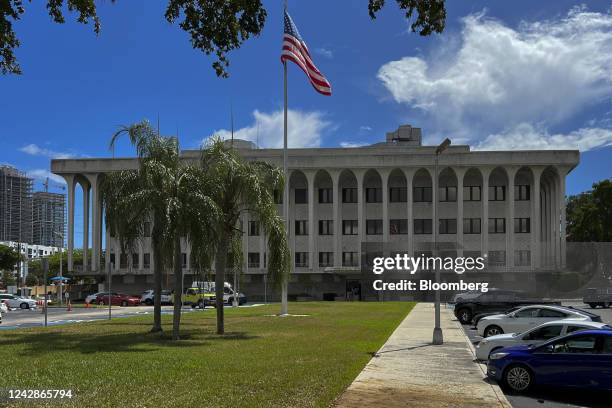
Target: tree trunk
(220, 264)
(178, 290)
(157, 274)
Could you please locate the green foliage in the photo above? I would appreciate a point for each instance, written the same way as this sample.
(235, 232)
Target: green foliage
(8, 278)
(589, 214)
(214, 26)
(8, 258)
(431, 14)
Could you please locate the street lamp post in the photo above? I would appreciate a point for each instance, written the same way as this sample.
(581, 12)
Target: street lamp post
(438, 337)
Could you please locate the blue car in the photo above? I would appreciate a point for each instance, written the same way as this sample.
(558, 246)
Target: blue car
(581, 359)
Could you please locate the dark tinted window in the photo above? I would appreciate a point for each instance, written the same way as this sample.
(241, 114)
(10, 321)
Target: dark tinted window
(607, 345)
(529, 312)
(571, 329)
(551, 313)
(545, 333)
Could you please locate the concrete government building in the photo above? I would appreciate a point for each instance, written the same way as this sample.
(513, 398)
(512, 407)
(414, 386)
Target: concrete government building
(507, 206)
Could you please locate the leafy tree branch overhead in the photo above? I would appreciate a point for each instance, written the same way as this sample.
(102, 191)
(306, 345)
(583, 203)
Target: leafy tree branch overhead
(214, 26)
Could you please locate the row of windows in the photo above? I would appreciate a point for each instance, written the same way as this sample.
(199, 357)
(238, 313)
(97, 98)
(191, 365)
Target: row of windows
(400, 226)
(496, 258)
(420, 194)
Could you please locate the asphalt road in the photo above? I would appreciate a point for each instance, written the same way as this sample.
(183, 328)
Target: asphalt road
(542, 397)
(56, 316)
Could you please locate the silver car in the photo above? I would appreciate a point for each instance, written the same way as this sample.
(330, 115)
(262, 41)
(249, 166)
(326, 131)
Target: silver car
(534, 336)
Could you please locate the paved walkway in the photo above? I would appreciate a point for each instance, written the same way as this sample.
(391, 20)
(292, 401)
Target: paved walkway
(410, 372)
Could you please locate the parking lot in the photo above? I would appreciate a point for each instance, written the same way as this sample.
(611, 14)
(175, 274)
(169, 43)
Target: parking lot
(556, 397)
(56, 316)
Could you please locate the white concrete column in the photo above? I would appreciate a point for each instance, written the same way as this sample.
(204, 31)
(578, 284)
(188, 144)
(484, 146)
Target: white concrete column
(409, 174)
(563, 222)
(312, 249)
(337, 205)
(546, 226)
(96, 224)
(536, 219)
(86, 200)
(70, 182)
(460, 172)
(554, 200)
(435, 227)
(359, 174)
(384, 175)
(511, 171)
(484, 197)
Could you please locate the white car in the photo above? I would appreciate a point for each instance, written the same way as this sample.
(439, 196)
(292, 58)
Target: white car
(92, 298)
(534, 336)
(17, 302)
(148, 295)
(527, 318)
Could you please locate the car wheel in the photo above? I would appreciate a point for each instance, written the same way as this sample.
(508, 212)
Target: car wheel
(606, 305)
(592, 305)
(201, 304)
(493, 331)
(464, 316)
(101, 303)
(24, 305)
(518, 378)
(124, 303)
(149, 302)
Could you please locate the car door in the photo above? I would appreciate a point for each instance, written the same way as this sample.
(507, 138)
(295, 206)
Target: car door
(603, 373)
(570, 361)
(522, 320)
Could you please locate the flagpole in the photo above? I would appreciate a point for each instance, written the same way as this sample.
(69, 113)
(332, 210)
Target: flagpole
(285, 283)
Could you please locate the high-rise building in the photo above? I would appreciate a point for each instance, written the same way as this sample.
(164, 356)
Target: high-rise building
(15, 205)
(48, 218)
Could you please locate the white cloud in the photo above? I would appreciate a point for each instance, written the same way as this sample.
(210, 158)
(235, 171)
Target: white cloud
(496, 76)
(35, 150)
(327, 53)
(42, 174)
(305, 129)
(527, 137)
(353, 144)
(365, 128)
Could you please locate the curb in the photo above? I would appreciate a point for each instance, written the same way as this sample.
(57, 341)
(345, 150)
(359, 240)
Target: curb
(501, 397)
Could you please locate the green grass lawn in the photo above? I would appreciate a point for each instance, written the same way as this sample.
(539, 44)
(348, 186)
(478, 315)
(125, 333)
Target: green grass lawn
(260, 361)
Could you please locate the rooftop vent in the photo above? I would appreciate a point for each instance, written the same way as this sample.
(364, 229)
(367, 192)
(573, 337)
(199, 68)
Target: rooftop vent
(405, 135)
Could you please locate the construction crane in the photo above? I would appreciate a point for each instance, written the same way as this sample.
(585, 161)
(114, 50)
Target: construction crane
(58, 185)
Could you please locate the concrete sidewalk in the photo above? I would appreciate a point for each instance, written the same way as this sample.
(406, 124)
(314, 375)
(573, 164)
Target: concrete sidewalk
(410, 372)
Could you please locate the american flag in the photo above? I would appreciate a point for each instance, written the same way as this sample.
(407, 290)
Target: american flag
(295, 49)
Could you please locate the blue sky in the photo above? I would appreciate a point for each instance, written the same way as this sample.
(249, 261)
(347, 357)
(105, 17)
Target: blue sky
(504, 75)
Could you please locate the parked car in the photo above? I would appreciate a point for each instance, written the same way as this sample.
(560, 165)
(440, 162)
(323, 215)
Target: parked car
(580, 359)
(92, 298)
(496, 301)
(41, 298)
(470, 294)
(198, 297)
(147, 297)
(528, 317)
(119, 299)
(535, 336)
(598, 297)
(17, 302)
(479, 316)
(228, 296)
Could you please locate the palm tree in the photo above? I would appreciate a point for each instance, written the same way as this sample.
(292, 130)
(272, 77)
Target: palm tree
(169, 192)
(243, 186)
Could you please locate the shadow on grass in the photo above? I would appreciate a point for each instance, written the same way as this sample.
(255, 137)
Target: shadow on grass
(42, 343)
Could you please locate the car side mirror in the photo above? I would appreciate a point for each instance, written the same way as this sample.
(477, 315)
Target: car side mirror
(550, 348)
